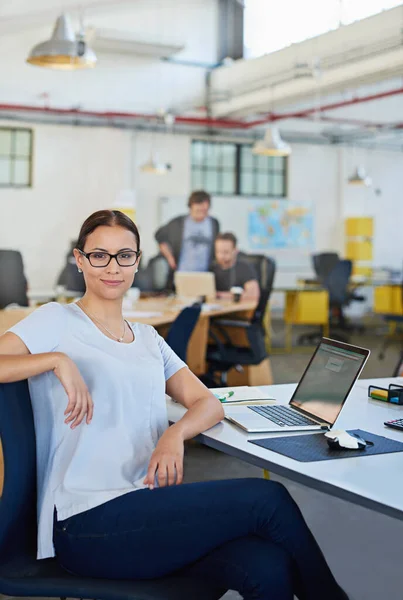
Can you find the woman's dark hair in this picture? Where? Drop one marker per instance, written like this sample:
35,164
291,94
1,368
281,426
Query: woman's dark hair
198,197
108,218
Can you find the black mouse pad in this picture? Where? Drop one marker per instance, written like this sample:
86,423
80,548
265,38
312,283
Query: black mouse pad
311,448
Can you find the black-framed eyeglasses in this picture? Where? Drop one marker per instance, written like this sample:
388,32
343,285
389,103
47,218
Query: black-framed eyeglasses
126,258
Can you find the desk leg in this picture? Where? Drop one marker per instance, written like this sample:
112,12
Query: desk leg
252,375
288,337
197,348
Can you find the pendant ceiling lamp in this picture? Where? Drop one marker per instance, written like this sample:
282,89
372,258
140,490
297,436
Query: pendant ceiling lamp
272,144
154,167
360,177
64,50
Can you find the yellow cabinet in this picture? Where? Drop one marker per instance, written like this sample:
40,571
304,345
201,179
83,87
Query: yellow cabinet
306,307
388,300
359,232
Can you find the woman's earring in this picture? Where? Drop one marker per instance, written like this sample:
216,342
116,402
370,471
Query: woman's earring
137,270
79,270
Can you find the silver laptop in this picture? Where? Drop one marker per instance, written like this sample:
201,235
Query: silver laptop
319,397
193,284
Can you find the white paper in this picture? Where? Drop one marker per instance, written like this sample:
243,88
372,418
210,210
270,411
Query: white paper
241,393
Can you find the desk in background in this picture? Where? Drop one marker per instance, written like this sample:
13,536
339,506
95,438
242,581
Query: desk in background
161,312
304,305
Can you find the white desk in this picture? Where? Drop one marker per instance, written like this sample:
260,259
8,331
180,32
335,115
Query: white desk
375,482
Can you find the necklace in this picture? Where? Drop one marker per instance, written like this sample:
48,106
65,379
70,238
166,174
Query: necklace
118,339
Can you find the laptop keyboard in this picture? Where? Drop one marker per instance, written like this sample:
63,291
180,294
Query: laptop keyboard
282,415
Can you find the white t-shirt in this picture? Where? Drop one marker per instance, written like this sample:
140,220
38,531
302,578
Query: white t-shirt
78,469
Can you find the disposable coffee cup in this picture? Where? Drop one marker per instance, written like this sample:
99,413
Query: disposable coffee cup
236,293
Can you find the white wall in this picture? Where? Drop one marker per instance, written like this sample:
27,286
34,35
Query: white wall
76,171
386,171
119,82
79,170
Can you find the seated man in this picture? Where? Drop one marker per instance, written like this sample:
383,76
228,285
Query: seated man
230,271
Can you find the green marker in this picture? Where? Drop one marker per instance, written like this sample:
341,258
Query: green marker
224,397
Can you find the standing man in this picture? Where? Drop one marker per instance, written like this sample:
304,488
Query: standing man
231,271
187,242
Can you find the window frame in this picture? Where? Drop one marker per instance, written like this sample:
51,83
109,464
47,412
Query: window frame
12,156
239,170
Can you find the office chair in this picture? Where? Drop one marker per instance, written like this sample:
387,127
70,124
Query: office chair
20,573
155,277
13,283
223,356
182,328
337,284
324,263
69,277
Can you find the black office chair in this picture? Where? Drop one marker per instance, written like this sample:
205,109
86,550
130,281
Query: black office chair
223,356
20,573
324,263
13,283
155,277
70,278
182,328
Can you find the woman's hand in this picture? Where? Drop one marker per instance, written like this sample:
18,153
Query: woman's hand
167,459
80,402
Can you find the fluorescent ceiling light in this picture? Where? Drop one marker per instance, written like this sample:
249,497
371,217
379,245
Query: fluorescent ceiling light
360,177
119,42
64,50
272,144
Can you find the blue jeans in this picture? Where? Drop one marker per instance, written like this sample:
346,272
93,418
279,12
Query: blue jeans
246,534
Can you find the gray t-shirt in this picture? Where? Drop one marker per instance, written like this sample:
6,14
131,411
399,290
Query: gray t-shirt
197,245
79,469
237,275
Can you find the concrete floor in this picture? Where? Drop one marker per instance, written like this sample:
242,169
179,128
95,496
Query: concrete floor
364,549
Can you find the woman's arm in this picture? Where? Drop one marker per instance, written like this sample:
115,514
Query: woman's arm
204,411
16,363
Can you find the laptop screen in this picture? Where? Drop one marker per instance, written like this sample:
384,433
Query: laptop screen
328,379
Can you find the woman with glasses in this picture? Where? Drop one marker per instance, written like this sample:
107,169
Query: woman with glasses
109,467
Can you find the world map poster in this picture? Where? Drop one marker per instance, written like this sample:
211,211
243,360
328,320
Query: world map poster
280,224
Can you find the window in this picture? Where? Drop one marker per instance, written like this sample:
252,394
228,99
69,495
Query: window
268,26
15,157
214,167
223,168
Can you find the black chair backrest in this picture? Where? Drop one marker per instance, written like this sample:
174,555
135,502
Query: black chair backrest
18,501
182,328
70,278
324,263
155,276
265,268
13,284
337,281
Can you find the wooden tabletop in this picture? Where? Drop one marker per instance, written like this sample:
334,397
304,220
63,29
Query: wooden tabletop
153,311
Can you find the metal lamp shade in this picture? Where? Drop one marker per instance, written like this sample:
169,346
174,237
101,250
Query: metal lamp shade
63,50
272,144
154,167
360,178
